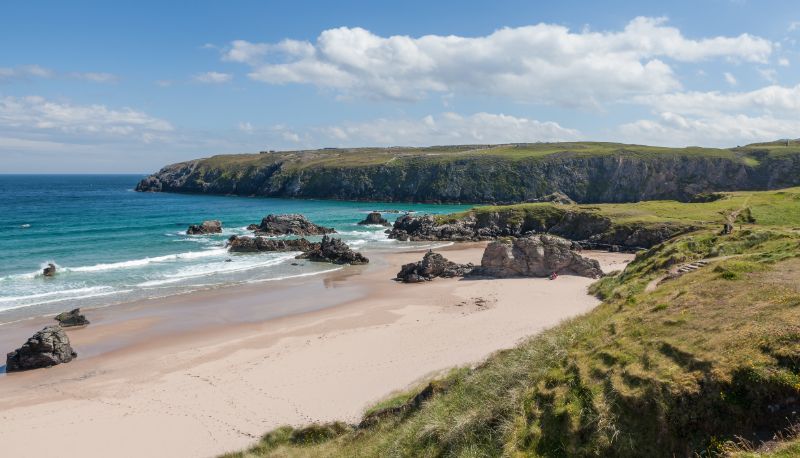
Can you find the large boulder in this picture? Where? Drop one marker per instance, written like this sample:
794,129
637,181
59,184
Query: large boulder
432,265
535,256
239,244
46,348
334,251
207,227
374,219
50,270
428,227
292,224
72,318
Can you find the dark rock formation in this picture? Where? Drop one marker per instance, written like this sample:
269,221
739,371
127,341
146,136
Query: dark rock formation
334,251
589,228
557,197
293,224
623,173
50,270
72,318
239,244
374,218
252,227
208,227
535,256
46,348
432,265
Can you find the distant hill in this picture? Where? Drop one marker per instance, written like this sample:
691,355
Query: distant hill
588,172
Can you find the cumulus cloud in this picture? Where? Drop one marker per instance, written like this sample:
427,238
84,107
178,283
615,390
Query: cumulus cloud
95,77
33,113
783,62
540,63
726,130
719,118
212,77
445,128
730,79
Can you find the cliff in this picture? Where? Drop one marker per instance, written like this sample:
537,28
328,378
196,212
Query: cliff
586,172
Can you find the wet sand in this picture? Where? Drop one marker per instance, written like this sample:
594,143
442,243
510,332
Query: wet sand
211,371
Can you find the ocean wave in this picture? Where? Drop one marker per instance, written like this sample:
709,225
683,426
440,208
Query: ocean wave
286,277
53,293
204,270
145,261
60,299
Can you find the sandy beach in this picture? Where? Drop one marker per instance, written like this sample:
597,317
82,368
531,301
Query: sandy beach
209,372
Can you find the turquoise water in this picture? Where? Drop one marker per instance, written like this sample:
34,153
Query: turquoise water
113,245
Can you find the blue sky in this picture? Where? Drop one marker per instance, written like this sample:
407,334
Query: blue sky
99,87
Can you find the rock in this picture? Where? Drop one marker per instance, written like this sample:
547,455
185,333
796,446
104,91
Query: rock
334,251
244,244
71,318
46,348
50,270
426,227
150,184
432,265
375,219
208,227
292,224
252,227
535,256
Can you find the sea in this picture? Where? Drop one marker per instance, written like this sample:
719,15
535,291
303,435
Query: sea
112,245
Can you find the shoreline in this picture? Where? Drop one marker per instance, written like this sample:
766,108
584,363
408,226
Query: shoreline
208,372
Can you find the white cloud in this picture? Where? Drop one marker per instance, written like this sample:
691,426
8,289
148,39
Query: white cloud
35,114
770,99
783,62
213,77
96,77
794,25
164,83
540,63
25,71
768,74
672,129
730,79
246,127
446,128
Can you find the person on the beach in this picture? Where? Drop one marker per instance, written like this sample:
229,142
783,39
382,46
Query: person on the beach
553,276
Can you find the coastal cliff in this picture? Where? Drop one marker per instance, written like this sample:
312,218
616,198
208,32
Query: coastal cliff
586,172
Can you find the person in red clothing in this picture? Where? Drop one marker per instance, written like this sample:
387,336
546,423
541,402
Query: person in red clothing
553,276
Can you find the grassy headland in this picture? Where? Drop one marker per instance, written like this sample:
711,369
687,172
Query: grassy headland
586,171
665,366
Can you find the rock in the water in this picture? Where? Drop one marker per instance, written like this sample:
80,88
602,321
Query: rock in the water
535,256
293,224
238,244
252,227
374,218
432,265
72,318
334,251
46,348
49,271
208,227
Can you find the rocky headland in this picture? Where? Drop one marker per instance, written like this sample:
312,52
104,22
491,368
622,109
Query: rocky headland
586,172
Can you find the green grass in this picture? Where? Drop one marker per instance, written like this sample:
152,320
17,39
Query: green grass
686,368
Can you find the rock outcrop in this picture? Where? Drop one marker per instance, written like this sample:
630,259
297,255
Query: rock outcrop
374,219
46,348
587,173
334,251
590,229
72,318
432,265
207,227
291,224
535,256
244,244
50,270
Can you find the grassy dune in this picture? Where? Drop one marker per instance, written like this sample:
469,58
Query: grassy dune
698,364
